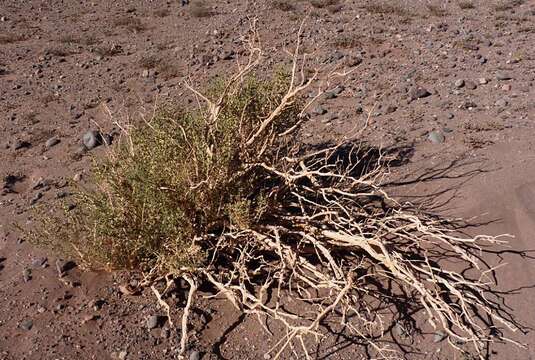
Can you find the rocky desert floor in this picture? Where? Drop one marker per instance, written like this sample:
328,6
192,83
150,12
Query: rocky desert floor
452,82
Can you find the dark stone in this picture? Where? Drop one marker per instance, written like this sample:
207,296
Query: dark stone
418,93
26,325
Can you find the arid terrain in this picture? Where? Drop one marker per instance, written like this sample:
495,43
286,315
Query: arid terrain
450,82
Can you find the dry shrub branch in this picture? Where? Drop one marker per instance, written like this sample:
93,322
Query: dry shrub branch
225,195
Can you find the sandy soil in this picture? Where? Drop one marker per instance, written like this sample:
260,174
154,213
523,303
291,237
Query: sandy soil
67,67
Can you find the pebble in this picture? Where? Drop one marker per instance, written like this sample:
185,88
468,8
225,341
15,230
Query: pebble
195,355
482,81
506,87
459,83
450,116
320,110
501,103
36,198
503,76
77,177
122,355
330,95
436,137
418,93
470,85
439,336
390,109
153,322
51,142
26,325
338,90
91,139
26,275
40,262
21,144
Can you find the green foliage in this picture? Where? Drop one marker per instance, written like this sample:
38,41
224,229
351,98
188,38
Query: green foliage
165,190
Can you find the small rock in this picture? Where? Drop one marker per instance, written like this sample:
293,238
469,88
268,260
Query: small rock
390,109
436,137
507,87
330,95
470,85
122,355
77,177
482,81
450,116
39,262
51,142
338,90
501,103
195,355
503,76
26,275
59,268
319,110
459,83
21,144
26,325
90,317
165,333
97,304
91,139
36,198
439,336
153,322
418,93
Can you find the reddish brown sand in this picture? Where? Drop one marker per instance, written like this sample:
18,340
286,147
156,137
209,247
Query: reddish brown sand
70,66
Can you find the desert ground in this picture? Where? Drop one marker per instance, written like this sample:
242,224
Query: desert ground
451,82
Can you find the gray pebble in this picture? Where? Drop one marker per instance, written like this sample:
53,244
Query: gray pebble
439,336
39,262
51,142
153,322
390,109
26,325
436,137
330,95
26,275
319,110
501,103
195,355
91,139
459,83
470,85
418,93
503,76
338,90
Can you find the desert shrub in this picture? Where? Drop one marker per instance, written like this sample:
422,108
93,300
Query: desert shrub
146,208
225,195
